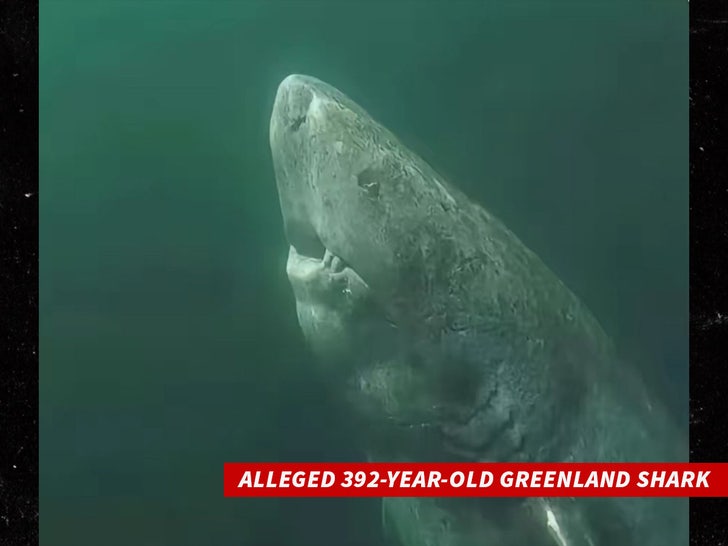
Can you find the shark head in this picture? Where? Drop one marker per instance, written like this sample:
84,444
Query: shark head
409,294
329,158
341,180
369,227
352,194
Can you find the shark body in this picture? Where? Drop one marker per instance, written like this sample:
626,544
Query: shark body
447,339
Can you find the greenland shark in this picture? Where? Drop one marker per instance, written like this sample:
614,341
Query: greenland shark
446,339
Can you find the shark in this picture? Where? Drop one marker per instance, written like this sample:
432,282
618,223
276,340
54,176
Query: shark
446,339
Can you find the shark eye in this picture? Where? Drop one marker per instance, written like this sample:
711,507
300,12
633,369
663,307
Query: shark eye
367,180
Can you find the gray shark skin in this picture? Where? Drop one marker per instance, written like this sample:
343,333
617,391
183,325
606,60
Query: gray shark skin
448,340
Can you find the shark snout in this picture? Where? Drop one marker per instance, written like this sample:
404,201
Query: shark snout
293,101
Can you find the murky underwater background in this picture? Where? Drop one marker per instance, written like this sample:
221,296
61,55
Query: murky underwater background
168,337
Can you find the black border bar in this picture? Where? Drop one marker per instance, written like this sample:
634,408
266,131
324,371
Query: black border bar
18,272
708,257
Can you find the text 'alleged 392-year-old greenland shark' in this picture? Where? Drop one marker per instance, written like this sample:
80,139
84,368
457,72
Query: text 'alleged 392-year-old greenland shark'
447,339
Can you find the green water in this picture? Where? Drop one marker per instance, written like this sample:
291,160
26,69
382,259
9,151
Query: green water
168,338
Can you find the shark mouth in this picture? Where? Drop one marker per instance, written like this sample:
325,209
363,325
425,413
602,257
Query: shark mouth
308,256
304,267
305,242
317,274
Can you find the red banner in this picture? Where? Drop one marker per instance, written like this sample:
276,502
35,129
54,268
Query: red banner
476,480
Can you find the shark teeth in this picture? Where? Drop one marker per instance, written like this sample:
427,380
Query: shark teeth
333,262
